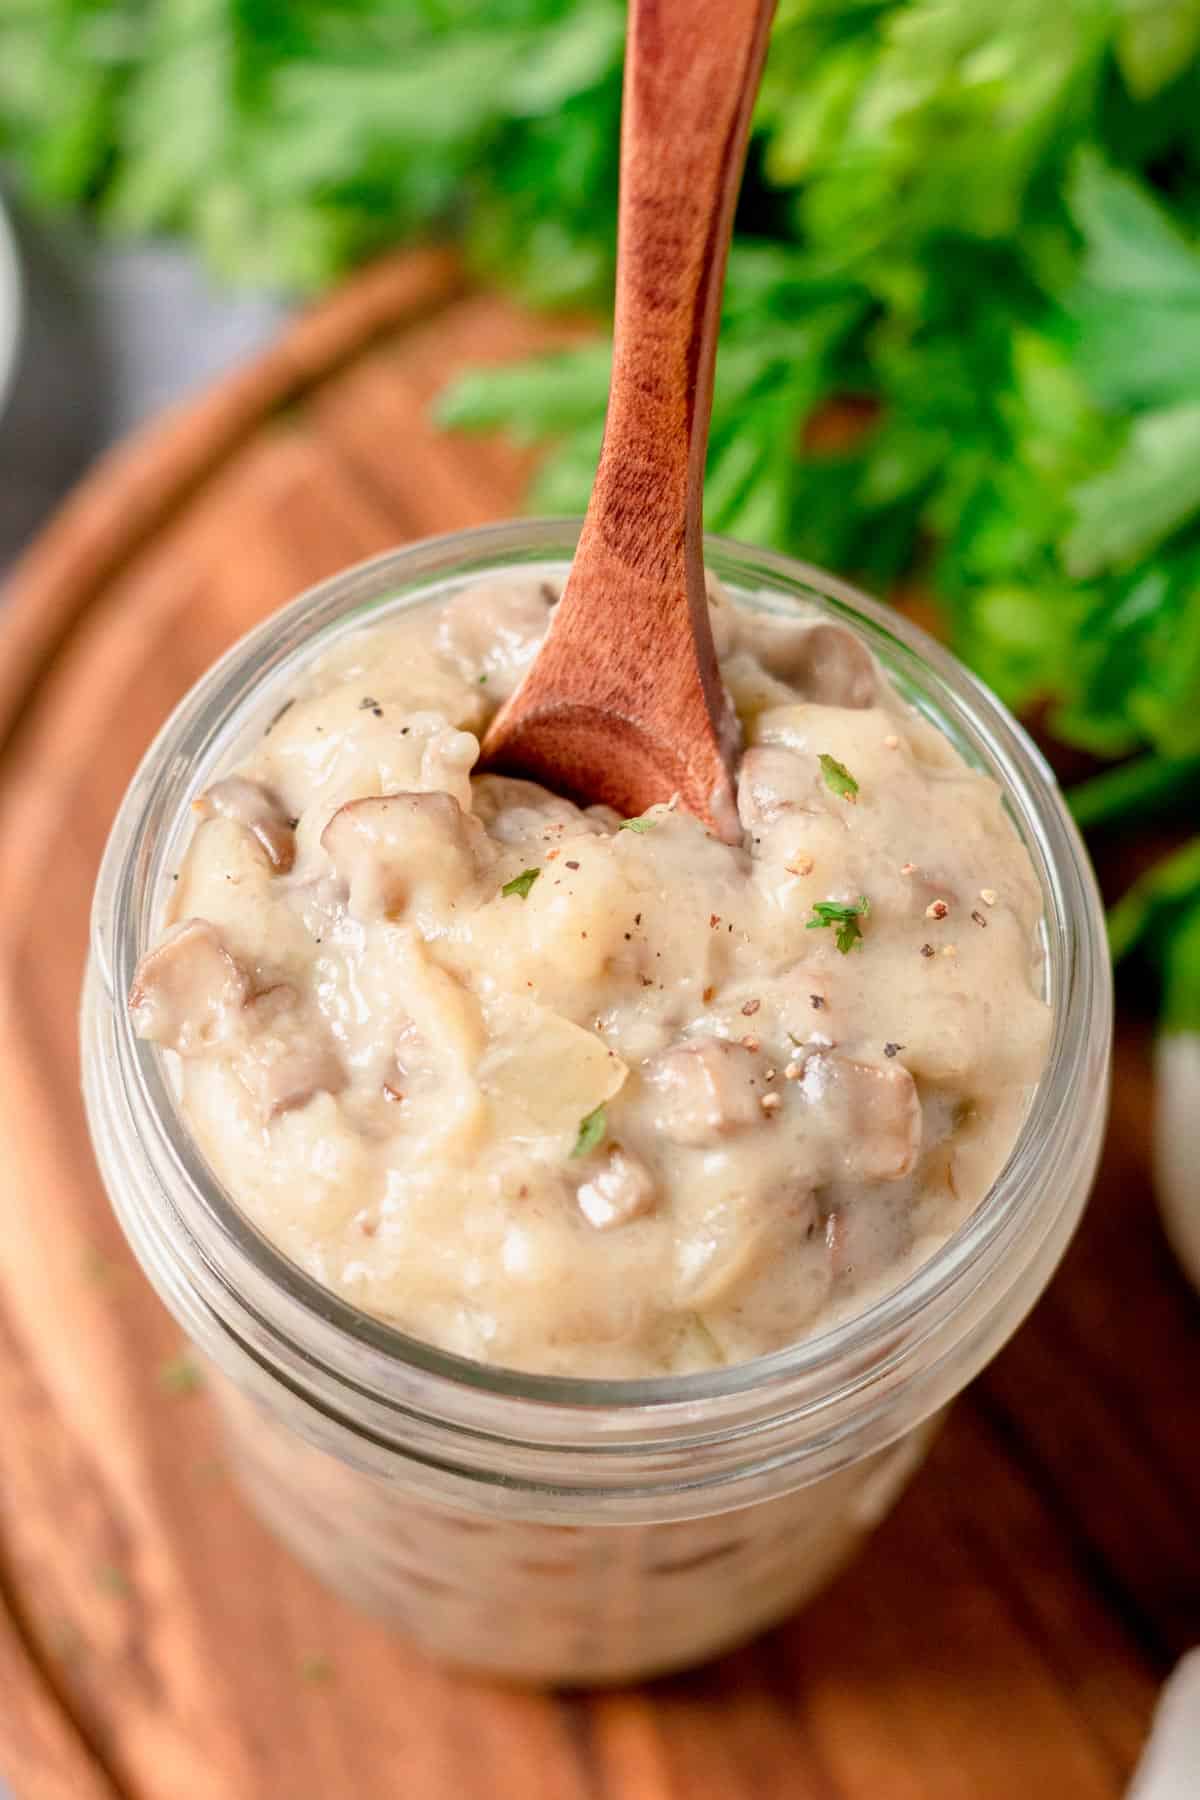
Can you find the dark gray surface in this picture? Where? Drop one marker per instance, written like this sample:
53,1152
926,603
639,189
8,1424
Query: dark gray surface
111,335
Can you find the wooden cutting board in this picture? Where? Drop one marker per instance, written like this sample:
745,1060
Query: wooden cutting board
1003,1636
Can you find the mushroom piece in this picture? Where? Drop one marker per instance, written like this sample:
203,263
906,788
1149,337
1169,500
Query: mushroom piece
188,992
771,782
397,849
286,1056
873,1114
860,1241
706,1089
282,1083
495,632
514,811
250,804
620,1191
827,663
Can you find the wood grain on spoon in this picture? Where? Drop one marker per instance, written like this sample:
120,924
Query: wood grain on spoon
624,703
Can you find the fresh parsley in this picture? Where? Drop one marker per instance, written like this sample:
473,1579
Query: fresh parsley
521,884
844,914
638,825
838,778
1159,918
1147,910
1004,273
591,1131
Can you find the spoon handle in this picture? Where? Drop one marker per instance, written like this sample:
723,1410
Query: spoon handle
692,70
691,75
624,701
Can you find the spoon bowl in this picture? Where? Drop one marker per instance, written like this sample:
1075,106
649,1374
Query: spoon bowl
624,703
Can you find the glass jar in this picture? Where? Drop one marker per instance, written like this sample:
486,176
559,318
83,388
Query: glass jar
549,1528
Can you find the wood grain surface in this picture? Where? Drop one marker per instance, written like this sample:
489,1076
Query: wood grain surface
1002,1637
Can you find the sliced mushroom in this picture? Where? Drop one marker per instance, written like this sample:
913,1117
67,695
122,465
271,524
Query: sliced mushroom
250,804
863,1239
620,1191
873,1114
771,782
494,631
827,663
397,849
188,993
706,1089
516,812
286,1056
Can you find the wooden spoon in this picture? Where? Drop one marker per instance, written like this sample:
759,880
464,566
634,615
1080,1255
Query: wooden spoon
624,703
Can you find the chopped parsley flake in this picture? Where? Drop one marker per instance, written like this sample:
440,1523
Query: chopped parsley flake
591,1131
521,884
845,914
838,778
645,823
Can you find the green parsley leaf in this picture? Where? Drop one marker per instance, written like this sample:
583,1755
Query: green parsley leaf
1133,311
638,825
845,914
1137,790
521,884
838,778
1156,43
848,935
829,912
1145,912
1160,916
1150,488
1001,271
591,1131
1181,975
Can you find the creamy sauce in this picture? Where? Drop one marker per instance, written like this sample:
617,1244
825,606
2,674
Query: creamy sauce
594,1097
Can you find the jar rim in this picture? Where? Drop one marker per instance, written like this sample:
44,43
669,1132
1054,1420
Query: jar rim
849,1356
